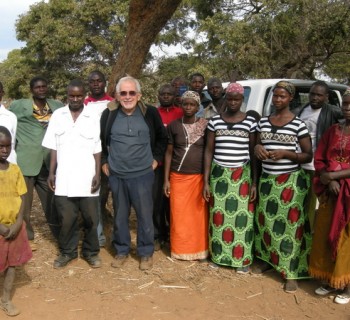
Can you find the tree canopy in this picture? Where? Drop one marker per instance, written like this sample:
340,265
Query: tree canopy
224,38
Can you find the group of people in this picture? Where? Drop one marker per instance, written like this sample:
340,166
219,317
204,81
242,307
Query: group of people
220,183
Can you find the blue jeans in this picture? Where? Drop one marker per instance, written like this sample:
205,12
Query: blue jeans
136,192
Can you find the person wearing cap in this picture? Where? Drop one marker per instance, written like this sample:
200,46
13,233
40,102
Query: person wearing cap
183,182
283,238
230,183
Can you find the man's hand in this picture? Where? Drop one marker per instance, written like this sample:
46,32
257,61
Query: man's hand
96,180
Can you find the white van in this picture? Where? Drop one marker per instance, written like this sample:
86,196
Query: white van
258,94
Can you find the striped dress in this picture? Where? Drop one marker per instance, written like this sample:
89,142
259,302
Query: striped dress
283,234
231,230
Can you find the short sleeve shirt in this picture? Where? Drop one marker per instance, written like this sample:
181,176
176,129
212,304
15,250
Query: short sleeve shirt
232,140
12,186
75,143
284,138
188,143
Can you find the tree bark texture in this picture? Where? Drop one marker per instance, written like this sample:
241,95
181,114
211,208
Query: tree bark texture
146,19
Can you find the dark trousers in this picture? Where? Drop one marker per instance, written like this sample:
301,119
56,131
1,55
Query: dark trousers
136,192
68,209
161,207
103,197
39,182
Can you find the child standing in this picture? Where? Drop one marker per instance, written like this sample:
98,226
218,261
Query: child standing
14,245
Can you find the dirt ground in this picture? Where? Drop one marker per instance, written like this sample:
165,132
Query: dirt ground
171,290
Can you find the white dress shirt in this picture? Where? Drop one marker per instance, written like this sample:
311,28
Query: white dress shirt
76,143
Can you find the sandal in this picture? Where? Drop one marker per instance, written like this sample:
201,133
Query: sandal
342,298
324,290
9,308
242,270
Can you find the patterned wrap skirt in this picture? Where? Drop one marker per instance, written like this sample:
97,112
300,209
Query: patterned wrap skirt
283,237
231,221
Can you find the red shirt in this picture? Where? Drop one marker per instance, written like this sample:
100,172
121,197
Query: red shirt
169,114
106,97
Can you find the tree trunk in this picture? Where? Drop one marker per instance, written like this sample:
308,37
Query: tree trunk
146,20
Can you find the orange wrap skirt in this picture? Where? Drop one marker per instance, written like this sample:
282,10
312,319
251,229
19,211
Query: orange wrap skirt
188,217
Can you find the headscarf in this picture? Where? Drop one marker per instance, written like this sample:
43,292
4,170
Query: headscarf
192,95
235,87
286,85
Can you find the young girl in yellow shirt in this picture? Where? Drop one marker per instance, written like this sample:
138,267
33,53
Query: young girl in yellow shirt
14,246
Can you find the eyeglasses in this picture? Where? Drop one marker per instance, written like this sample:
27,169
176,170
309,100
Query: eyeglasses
125,93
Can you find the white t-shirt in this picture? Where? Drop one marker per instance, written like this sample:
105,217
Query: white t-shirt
9,120
310,117
76,143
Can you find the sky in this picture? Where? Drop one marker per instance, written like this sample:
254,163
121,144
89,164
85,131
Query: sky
9,12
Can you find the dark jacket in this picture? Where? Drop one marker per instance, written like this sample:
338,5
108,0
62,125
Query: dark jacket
158,134
329,115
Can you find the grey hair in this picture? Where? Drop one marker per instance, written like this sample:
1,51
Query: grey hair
128,79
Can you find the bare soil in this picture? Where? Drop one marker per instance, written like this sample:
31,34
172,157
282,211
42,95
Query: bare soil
171,290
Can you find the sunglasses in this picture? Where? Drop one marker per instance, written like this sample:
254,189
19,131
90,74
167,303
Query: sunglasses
125,93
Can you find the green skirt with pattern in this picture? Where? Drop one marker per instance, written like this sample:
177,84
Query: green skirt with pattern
231,222
283,237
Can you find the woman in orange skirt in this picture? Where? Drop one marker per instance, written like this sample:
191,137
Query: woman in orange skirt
183,183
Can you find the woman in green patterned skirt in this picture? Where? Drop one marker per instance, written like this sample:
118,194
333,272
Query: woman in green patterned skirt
230,185
283,237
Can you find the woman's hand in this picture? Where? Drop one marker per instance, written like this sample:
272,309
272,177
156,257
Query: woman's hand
326,177
253,192
261,153
206,192
334,187
276,154
166,189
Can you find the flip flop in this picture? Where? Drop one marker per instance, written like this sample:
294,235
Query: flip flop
324,290
9,308
291,286
342,298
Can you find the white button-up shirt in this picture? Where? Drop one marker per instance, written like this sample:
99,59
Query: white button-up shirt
76,143
9,120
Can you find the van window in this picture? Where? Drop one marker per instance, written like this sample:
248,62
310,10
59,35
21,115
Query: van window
333,98
247,91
